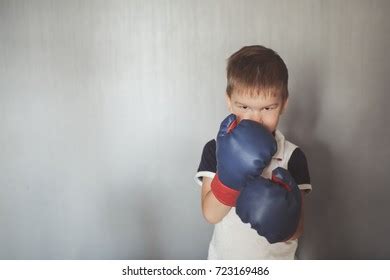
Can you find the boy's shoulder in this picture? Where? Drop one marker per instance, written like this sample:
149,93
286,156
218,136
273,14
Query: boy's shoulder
211,142
288,148
296,154
295,160
209,149
298,167
210,146
208,160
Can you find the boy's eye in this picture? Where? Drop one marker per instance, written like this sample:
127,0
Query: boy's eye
269,108
244,107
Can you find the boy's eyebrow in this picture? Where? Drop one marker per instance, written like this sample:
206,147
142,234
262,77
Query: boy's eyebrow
273,104
243,104
239,103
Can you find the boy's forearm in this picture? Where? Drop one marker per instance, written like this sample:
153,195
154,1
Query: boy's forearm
213,210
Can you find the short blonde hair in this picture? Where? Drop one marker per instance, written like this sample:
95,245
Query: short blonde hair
257,70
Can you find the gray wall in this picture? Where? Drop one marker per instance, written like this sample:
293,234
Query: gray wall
105,107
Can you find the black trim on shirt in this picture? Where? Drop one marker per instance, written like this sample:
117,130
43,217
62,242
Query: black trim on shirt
297,166
209,161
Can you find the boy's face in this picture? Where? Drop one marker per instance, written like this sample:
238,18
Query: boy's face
265,110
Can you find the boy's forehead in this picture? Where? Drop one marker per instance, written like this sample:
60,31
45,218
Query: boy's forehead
260,97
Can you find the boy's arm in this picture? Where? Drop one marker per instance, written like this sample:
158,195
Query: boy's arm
213,210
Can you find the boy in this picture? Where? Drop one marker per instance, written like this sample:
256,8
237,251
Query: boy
257,93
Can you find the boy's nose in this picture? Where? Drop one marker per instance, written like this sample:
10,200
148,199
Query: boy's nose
256,117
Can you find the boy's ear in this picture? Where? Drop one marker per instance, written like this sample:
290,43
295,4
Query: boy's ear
284,106
229,103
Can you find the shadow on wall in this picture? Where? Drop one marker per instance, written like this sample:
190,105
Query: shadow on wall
301,129
344,214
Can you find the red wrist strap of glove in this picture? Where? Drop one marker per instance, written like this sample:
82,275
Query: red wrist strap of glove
281,183
223,193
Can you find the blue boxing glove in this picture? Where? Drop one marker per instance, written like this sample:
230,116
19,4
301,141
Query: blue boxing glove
244,149
272,207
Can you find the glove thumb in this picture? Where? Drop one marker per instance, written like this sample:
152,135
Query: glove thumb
227,125
283,178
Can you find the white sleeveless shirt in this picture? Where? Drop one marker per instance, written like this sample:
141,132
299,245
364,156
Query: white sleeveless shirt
232,239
